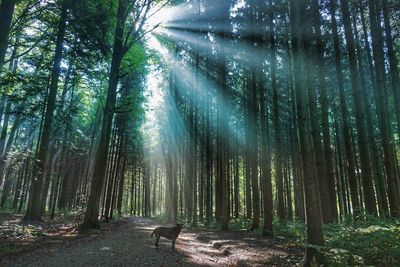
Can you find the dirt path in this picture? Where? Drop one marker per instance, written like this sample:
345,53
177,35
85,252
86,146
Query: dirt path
130,245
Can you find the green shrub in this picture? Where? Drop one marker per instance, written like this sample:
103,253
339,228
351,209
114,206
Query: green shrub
362,244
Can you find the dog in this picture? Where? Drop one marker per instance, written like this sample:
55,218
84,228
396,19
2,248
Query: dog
171,233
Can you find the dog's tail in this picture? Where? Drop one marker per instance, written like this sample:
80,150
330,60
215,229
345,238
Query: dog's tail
152,233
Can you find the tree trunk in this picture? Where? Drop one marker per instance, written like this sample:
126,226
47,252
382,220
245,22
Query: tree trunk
276,118
301,71
376,160
383,113
330,215
236,185
393,62
34,210
345,114
6,14
367,181
92,212
111,175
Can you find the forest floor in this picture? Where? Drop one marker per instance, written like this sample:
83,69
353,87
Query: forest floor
127,242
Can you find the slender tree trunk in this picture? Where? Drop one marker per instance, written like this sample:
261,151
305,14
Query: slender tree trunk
300,72
367,181
189,164
6,13
376,160
383,113
236,184
3,102
34,210
296,160
223,141
345,114
254,154
113,162
169,188
57,182
92,211
18,186
147,203
393,62
276,118
3,137
330,215
208,167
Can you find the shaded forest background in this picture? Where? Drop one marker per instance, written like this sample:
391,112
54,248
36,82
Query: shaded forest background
268,112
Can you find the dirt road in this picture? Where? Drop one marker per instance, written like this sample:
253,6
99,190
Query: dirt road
130,244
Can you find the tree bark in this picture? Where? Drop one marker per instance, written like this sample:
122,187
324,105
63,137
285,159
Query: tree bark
301,78
6,13
367,181
383,113
92,212
393,62
331,214
34,209
345,113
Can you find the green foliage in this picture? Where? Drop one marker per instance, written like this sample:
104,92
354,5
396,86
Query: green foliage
293,231
239,224
135,59
93,22
176,2
375,242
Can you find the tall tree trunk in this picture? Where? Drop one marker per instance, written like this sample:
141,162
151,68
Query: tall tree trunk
264,156
345,113
236,184
169,188
19,185
6,13
146,190
252,189
189,169
223,137
276,118
378,174
393,62
92,212
5,148
3,137
367,181
296,160
34,210
111,175
383,113
330,215
301,70
209,160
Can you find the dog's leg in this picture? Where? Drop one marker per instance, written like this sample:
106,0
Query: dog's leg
173,244
157,239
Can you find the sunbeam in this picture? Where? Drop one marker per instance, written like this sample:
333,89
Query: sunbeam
202,91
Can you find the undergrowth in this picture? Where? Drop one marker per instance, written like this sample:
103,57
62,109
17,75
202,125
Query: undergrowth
368,242
371,242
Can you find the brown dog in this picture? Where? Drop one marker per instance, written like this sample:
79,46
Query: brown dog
171,233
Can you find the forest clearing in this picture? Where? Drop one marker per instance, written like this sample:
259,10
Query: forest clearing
269,129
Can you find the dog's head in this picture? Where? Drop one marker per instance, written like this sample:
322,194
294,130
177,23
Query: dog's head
180,226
